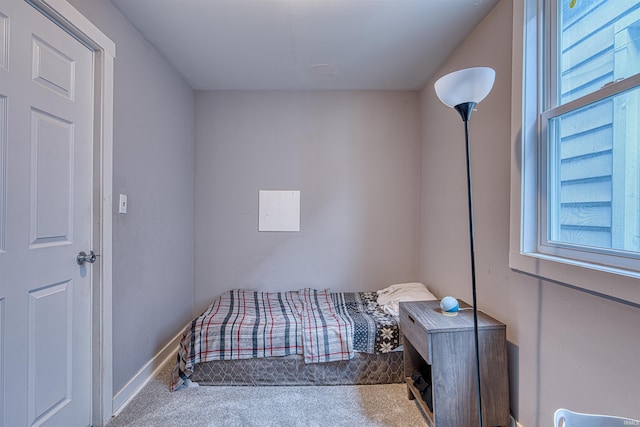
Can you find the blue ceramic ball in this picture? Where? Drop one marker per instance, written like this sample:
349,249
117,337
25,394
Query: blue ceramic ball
449,306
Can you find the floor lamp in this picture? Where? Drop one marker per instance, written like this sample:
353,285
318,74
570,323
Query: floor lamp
462,90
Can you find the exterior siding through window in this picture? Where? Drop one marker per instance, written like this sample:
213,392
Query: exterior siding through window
597,151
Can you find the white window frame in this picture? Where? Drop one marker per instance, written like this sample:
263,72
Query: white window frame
525,255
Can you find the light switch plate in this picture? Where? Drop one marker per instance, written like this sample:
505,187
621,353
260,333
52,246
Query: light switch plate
122,204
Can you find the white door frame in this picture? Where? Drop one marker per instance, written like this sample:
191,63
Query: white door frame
68,18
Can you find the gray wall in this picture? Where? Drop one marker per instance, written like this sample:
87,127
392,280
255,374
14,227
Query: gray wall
153,164
568,348
355,157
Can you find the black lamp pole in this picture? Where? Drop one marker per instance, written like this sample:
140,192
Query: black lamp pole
465,110
462,90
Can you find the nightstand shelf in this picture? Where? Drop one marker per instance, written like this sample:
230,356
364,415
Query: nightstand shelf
443,346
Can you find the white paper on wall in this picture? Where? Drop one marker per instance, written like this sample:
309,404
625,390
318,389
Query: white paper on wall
279,210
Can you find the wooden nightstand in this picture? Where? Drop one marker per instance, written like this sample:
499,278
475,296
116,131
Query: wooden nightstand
443,347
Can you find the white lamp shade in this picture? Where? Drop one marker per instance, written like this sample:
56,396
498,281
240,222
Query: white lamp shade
468,85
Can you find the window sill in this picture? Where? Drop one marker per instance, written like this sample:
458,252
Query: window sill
611,283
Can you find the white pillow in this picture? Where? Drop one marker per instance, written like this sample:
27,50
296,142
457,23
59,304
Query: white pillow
390,296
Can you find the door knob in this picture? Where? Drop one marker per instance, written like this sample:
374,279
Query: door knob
83,257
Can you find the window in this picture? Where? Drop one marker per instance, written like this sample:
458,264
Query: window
580,133
589,132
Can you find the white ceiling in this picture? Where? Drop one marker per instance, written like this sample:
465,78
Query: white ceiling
305,44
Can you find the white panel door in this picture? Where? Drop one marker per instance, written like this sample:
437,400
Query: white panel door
46,143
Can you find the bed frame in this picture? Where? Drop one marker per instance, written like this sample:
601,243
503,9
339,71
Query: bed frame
364,368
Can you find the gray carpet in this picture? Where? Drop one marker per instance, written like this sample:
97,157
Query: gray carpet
367,405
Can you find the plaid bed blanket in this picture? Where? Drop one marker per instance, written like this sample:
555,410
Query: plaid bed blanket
320,325
326,334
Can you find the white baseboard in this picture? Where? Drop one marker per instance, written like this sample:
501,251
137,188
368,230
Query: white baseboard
150,369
